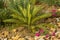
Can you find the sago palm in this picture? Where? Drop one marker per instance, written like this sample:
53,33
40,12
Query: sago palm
26,15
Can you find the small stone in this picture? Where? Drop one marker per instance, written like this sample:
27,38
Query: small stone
56,39
9,39
57,19
52,29
21,39
1,38
14,30
4,34
5,38
58,9
30,38
40,39
58,24
36,38
59,35
15,37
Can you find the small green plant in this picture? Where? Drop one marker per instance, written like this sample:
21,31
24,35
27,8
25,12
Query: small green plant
26,15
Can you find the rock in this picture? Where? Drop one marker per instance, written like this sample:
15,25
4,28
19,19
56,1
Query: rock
36,38
9,39
0,34
29,38
58,35
54,38
57,19
5,33
40,39
1,38
15,37
14,30
21,39
58,9
5,39
58,24
52,29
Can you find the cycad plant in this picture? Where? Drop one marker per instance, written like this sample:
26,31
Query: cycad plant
26,14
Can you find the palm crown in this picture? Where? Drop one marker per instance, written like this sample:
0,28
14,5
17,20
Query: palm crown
26,14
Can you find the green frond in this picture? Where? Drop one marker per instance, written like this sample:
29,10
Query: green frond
32,1
23,10
46,15
18,17
11,20
29,14
14,21
13,10
36,9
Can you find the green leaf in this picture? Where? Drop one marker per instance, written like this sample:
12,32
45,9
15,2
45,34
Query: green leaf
11,20
29,14
18,17
36,9
23,10
46,15
32,1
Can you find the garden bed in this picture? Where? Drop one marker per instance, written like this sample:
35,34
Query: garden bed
29,20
